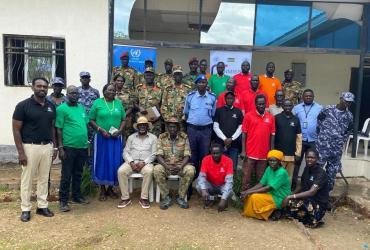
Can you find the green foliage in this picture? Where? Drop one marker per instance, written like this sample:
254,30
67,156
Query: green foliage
237,188
88,188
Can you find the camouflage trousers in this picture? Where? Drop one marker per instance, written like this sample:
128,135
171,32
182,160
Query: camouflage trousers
160,174
332,167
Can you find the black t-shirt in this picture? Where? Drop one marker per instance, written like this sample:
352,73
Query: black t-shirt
37,120
316,176
286,133
229,119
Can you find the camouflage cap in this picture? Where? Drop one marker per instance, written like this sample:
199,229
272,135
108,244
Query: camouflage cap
148,60
149,69
288,70
58,80
177,69
84,74
168,61
173,120
348,96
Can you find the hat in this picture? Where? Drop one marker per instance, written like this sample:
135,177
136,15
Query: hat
58,80
168,61
199,78
148,60
288,70
177,69
124,54
193,59
173,120
348,96
276,154
229,93
142,120
149,69
84,73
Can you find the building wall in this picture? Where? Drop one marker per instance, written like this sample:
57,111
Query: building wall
84,26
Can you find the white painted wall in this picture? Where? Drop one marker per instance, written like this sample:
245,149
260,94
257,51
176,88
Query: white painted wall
84,26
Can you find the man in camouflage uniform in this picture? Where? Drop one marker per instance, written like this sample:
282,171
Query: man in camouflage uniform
86,94
190,77
173,99
292,89
141,79
128,98
173,155
128,72
150,95
166,79
334,124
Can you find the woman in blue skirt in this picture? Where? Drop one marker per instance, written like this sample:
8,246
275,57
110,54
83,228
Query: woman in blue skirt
107,116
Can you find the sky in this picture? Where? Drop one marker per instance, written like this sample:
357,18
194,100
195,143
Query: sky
122,13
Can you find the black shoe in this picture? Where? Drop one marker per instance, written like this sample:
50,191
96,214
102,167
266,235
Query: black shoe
166,203
80,200
63,206
25,216
44,212
182,203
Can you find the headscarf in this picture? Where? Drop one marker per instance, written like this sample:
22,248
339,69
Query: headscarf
276,154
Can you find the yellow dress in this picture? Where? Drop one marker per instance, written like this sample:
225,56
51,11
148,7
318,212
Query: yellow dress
259,206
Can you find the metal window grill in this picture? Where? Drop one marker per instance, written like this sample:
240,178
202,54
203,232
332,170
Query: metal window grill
27,57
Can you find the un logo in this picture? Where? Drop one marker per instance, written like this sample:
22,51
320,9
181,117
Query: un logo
135,52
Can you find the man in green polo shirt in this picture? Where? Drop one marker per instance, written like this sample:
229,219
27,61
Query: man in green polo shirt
71,123
217,82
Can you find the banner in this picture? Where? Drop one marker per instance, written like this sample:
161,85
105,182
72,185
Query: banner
232,60
137,55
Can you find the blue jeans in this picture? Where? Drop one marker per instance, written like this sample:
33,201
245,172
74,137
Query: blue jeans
233,153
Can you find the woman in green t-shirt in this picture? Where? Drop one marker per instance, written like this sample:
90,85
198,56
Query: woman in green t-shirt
267,196
107,117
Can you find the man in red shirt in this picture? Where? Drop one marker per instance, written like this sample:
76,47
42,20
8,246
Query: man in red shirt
216,177
243,78
259,129
249,96
238,102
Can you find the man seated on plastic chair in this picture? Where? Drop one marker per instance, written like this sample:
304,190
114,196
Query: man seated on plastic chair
139,154
173,154
216,178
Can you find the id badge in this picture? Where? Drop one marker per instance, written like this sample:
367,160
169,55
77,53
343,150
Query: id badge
305,124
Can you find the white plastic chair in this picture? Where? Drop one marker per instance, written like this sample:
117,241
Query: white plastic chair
130,185
365,138
158,190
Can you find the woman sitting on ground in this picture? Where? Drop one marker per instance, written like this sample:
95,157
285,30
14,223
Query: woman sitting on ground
267,196
309,201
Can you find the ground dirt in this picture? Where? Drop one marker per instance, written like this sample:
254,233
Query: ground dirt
100,225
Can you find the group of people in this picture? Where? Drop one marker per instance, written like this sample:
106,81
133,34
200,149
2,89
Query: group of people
193,125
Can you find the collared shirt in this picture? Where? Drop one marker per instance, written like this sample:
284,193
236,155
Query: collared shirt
140,148
259,129
274,109
87,97
249,101
242,82
228,124
214,172
173,101
238,102
270,85
316,175
217,83
200,109
307,115
37,120
173,151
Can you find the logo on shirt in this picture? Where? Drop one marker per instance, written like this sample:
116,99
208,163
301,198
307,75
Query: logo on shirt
116,110
273,85
292,124
50,109
222,170
234,116
267,120
311,178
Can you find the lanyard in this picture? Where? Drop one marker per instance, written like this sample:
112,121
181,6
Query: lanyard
307,112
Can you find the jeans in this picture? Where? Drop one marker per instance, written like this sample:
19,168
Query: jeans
72,168
233,153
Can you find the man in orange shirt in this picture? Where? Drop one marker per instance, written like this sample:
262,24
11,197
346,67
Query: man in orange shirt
269,83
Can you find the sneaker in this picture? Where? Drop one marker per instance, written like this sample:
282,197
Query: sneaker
80,200
166,203
63,207
144,203
124,203
182,203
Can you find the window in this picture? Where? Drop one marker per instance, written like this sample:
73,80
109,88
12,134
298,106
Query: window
27,57
282,23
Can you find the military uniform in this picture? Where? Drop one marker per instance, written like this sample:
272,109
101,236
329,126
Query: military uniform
130,74
141,80
128,98
189,79
173,101
150,96
333,127
293,91
173,152
165,80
